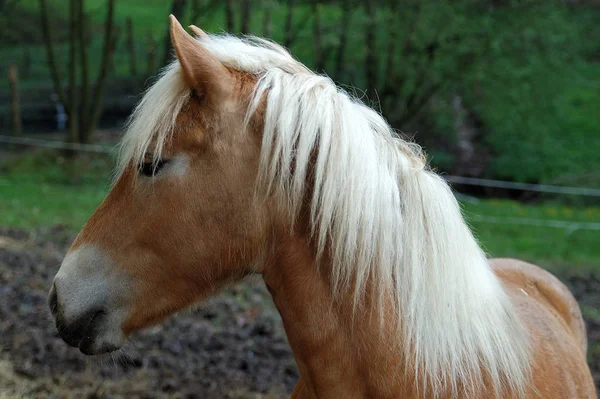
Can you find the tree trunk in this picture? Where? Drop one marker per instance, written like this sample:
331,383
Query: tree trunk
289,19
56,81
341,48
72,108
394,79
229,15
84,115
319,58
204,9
370,59
245,23
194,11
84,110
177,9
26,65
130,46
13,80
110,41
267,26
291,31
150,54
392,38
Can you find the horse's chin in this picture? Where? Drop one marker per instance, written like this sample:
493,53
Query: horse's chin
98,349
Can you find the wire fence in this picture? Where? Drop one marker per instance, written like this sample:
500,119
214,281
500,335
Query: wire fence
55,144
522,221
540,188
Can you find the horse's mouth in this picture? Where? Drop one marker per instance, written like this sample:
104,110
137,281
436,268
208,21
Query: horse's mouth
88,342
87,332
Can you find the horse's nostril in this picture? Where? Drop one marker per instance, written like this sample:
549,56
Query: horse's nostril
53,301
81,331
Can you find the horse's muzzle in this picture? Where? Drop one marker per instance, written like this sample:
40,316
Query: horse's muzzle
82,331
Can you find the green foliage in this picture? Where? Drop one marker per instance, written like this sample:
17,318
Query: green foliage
536,93
527,70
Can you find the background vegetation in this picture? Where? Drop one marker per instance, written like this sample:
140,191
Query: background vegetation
41,189
506,89
501,89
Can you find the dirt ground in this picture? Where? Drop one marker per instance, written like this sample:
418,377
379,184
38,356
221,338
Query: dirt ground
230,347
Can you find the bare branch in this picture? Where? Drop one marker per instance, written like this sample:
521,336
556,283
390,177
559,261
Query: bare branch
56,81
419,96
415,107
200,7
229,14
130,46
393,77
291,30
245,23
341,48
13,80
267,26
177,9
289,18
319,59
370,59
150,53
110,40
84,115
422,90
195,10
392,38
8,6
72,104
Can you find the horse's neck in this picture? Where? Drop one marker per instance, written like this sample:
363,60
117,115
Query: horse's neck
340,353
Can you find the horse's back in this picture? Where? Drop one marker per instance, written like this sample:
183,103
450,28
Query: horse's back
556,327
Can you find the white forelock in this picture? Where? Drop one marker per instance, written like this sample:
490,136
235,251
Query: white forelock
392,225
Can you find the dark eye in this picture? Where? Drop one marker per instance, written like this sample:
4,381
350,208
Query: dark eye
152,168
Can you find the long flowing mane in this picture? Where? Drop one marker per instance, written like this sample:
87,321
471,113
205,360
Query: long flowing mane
388,221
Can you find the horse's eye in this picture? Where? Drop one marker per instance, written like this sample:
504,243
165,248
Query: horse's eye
152,168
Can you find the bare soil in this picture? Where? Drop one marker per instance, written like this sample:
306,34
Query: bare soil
232,346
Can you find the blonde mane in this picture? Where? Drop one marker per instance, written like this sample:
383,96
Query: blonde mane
389,221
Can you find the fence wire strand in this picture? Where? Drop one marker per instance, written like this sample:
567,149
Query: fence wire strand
543,188
560,224
59,145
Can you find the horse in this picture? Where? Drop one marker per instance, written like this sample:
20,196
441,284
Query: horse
240,160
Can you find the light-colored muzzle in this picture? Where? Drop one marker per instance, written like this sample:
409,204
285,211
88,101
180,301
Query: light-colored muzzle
86,301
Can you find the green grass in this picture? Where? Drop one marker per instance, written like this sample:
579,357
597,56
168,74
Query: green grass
41,189
551,247
38,190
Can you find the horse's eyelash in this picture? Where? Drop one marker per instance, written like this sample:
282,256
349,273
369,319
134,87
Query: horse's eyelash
152,168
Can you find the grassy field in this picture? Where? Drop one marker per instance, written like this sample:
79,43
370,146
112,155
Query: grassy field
39,190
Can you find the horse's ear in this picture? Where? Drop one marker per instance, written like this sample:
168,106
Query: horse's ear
201,70
200,34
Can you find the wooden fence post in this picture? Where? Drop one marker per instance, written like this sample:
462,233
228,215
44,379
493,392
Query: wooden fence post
13,79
